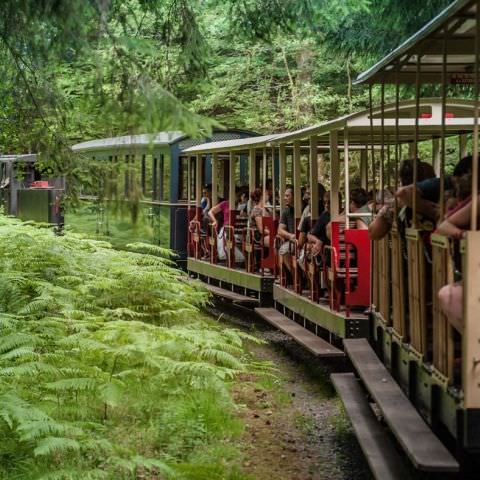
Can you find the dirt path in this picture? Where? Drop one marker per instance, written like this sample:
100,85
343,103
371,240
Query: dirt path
295,426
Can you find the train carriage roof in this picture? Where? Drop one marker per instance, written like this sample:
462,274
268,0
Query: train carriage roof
460,119
23,157
148,140
231,145
457,22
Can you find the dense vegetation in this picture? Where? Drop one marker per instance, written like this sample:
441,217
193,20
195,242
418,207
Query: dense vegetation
107,368
73,70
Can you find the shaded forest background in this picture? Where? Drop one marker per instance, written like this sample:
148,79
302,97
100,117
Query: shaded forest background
73,70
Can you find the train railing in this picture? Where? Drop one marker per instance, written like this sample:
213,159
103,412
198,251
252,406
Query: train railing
268,258
312,273
443,342
296,270
251,249
411,270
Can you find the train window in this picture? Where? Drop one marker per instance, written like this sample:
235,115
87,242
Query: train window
164,181
183,178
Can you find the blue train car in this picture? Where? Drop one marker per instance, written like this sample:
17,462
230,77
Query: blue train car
152,179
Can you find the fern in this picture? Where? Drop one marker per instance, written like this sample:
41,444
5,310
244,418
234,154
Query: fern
50,445
100,352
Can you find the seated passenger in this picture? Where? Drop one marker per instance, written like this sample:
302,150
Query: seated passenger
224,208
286,230
305,223
243,204
358,204
428,190
205,202
317,237
256,217
383,221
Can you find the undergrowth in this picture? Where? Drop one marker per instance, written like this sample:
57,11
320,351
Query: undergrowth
107,368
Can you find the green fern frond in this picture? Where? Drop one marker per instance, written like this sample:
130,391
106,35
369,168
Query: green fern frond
15,340
28,369
34,430
18,353
72,384
51,445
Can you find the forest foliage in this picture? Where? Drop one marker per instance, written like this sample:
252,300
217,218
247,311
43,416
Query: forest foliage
73,70
107,367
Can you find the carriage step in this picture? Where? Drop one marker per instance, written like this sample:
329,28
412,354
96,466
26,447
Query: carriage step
385,462
231,296
316,345
421,445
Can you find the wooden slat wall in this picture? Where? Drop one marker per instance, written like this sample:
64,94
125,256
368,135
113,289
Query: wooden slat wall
384,278
399,286
416,294
443,346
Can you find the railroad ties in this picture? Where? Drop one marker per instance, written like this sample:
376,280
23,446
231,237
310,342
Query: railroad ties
313,343
422,446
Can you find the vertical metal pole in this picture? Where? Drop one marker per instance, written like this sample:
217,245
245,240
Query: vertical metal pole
297,200
473,219
273,181
389,163
214,159
398,148
313,179
252,182
189,181
443,153
462,146
142,173
415,140
198,180
382,147
364,168
154,178
161,178
264,172
231,181
334,175
346,159
372,140
127,176
436,156
283,175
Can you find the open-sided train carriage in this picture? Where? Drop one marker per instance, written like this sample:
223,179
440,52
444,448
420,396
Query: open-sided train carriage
424,376
296,158
151,172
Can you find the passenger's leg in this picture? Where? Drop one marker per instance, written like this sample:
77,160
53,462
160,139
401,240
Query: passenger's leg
451,302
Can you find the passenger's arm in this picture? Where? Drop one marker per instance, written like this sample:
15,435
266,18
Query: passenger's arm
378,228
259,223
212,212
425,207
284,233
455,225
